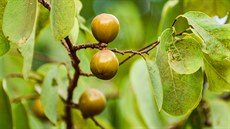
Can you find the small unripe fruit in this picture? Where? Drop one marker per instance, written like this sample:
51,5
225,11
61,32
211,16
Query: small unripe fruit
92,102
105,27
104,64
38,109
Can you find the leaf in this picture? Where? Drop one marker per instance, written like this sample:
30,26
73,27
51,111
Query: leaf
210,7
21,117
62,17
181,92
185,55
156,82
218,74
216,37
19,19
6,120
27,51
144,95
220,114
49,95
4,43
74,32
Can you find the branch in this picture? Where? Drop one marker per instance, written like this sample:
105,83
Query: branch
90,45
142,50
45,4
96,123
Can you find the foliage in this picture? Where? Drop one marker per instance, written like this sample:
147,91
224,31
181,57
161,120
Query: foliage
183,80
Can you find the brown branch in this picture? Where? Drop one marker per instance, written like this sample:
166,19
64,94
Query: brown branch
45,4
96,123
90,45
142,50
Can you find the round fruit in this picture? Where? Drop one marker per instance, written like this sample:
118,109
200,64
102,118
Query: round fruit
91,103
105,27
37,108
104,64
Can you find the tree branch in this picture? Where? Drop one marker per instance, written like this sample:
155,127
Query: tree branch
96,123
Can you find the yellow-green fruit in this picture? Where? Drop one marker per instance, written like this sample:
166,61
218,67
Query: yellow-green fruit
105,27
104,64
38,109
92,102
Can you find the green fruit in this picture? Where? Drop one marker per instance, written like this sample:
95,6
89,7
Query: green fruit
105,27
92,102
104,64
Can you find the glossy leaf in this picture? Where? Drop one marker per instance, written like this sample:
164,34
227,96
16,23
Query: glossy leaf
6,120
216,37
144,94
62,17
185,55
27,51
49,95
181,93
19,19
4,43
20,117
156,82
218,74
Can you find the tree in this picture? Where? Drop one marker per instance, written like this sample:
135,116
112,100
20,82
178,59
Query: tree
169,66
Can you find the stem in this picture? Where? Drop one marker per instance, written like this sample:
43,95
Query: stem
96,123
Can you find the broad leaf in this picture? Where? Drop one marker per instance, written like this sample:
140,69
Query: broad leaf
49,95
210,7
62,17
144,95
4,43
218,74
74,32
19,19
181,93
216,37
6,120
156,82
27,51
185,55
20,117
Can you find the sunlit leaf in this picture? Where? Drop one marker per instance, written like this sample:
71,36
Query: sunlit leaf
6,120
62,17
144,94
181,93
49,95
218,74
20,116
4,43
19,19
185,55
216,37
156,82
74,32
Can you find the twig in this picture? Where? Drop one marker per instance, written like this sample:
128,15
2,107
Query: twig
45,4
174,22
89,45
86,74
152,45
206,112
96,123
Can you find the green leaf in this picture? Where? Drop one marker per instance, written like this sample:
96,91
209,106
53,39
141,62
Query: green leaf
74,32
20,117
49,95
4,43
19,19
210,7
144,95
6,120
27,51
218,74
220,114
185,55
156,82
62,17
181,92
216,37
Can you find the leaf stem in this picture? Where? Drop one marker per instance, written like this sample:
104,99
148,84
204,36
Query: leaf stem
97,123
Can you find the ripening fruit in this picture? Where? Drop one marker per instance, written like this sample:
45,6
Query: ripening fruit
37,108
105,27
104,64
92,102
